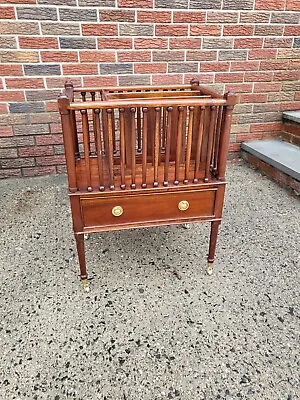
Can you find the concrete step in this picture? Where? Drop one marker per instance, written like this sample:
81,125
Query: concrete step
292,116
277,159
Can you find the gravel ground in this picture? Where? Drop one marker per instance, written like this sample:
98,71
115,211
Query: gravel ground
141,333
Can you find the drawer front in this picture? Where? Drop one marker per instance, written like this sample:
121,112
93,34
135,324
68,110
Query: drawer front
147,208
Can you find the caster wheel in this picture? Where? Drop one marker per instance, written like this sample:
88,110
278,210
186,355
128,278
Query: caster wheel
86,236
186,226
209,269
85,285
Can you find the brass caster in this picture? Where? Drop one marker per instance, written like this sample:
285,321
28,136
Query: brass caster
186,226
209,268
86,236
85,285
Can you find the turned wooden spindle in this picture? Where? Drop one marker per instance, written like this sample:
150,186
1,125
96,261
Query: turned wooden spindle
69,90
83,96
144,147
139,129
98,146
168,145
199,144
122,148
156,144
217,139
86,147
133,148
164,130
211,132
189,145
110,150
178,144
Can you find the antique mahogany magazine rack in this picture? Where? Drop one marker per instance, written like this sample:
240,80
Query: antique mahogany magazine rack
145,156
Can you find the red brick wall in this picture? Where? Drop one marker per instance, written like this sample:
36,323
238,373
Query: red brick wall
249,46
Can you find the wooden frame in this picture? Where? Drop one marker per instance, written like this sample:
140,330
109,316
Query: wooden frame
145,156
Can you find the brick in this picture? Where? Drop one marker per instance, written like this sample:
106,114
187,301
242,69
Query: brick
97,3
17,163
188,16
54,2
6,131
268,30
231,55
136,3
290,86
214,66
259,117
229,77
17,141
168,55
11,95
59,149
54,83
150,68
266,107
110,69
42,95
8,153
14,119
205,4
38,13
277,42
244,66
33,42
27,107
50,160
200,55
171,4
239,87
287,75
113,43
42,69
217,43
45,117
64,29
292,5
223,17
294,64
185,43
34,129
35,151
259,76
8,173
238,5
38,171
136,29
3,108
167,79
80,69
19,28
284,18
238,30
289,53
245,137
273,65
248,43
171,30
205,30
296,43
59,56
18,56
83,14
100,81
260,54
253,98
48,139
97,56
77,43
183,67
254,17
99,29
117,15
18,1
265,127
132,56
292,30
293,105
8,42
7,13
24,83
270,5
153,43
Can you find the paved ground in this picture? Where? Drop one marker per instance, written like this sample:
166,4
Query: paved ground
141,333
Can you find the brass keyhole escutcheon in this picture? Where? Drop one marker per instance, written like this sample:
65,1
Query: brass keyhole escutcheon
117,211
183,205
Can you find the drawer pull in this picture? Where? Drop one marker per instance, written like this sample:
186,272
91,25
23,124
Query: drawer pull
117,211
183,205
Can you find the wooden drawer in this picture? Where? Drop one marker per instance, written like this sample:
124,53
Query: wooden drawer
139,209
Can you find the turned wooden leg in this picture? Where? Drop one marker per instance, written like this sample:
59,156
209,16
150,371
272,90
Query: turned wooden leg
212,245
81,257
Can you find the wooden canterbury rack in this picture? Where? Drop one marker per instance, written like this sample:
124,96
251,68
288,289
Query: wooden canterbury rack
145,156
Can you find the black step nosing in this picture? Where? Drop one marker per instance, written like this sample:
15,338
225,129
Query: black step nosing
293,116
262,149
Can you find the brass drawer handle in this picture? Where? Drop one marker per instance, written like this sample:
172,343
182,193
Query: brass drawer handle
183,205
117,211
